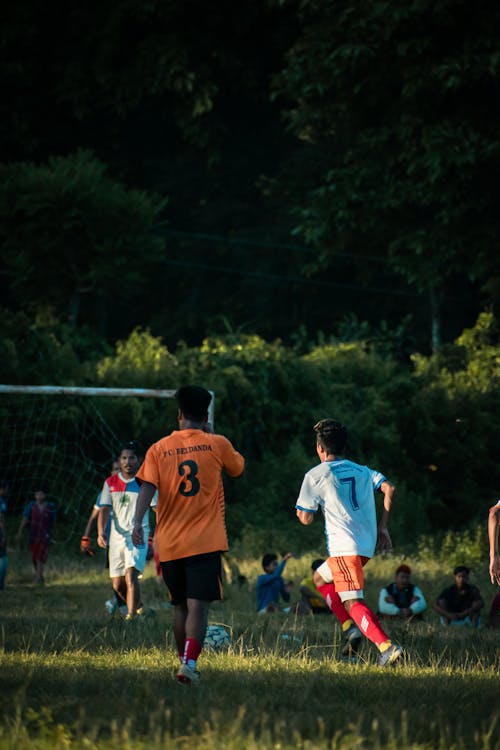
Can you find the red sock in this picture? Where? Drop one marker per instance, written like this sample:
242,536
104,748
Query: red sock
368,623
192,650
334,602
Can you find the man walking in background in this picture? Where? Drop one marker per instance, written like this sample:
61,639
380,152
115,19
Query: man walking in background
344,491
186,468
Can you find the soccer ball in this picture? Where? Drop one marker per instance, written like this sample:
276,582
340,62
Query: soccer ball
216,637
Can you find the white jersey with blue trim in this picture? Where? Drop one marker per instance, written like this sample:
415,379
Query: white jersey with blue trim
121,495
344,491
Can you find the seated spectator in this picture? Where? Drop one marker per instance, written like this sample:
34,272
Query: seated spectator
401,599
310,598
461,603
270,585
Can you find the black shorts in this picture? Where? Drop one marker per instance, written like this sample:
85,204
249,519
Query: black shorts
195,577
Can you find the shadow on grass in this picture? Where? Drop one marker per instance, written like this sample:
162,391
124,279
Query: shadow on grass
279,696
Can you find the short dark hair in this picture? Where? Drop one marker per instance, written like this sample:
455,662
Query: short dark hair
461,569
130,445
268,558
316,563
193,402
331,435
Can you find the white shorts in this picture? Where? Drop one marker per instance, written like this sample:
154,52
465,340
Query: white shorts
123,555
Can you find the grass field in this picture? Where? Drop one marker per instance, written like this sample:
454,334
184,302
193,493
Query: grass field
74,677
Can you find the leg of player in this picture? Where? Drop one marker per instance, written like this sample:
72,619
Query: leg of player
324,583
120,588
133,591
368,623
180,615
195,627
348,577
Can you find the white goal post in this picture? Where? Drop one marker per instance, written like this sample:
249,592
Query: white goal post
63,390
56,437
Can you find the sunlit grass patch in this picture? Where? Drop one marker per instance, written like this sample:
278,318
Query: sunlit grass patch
75,677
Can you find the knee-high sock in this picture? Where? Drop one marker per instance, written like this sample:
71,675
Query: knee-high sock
368,623
192,650
334,602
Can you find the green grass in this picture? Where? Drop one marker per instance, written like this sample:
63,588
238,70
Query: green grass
73,677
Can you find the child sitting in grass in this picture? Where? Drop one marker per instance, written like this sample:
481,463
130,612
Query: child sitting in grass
270,585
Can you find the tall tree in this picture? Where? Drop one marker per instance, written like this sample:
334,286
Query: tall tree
70,233
399,106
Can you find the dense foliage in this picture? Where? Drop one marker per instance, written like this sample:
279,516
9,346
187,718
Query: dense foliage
318,159
433,428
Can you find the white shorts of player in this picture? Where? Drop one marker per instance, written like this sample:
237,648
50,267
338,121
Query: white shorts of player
326,574
123,555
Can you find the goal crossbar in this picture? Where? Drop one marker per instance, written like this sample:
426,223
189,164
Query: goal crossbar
63,390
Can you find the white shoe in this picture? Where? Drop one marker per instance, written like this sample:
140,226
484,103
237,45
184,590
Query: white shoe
110,605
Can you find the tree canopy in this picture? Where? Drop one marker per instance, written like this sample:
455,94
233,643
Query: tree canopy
298,164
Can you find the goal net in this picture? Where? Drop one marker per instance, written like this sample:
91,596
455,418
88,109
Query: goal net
65,439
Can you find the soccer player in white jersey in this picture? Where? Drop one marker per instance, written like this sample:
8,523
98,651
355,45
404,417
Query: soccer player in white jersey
344,491
493,522
126,562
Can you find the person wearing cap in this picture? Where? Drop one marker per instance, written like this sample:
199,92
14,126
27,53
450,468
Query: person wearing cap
186,468
401,598
461,603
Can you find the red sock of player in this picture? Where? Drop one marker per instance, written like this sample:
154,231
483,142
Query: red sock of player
368,623
192,650
334,602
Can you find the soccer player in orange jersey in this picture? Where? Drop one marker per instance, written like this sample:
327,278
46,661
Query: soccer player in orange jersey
186,468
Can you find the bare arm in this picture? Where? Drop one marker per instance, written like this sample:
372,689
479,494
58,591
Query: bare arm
92,519
146,493
493,521
102,522
384,539
439,606
305,517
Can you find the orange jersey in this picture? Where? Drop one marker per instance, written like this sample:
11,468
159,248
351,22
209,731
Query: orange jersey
186,468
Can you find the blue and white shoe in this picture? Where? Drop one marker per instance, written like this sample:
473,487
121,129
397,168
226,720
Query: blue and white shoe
390,656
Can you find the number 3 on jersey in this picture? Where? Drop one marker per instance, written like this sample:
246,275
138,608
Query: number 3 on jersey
352,491
191,484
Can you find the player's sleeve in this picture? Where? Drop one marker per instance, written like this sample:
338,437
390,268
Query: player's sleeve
105,497
97,503
386,608
232,461
377,479
420,605
308,499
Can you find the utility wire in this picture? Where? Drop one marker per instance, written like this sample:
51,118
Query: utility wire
288,279
242,241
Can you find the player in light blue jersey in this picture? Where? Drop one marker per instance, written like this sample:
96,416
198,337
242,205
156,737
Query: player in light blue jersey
344,491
